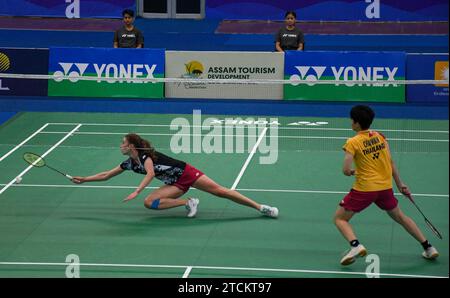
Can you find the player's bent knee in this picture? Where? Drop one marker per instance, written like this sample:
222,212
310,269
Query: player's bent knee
338,218
152,204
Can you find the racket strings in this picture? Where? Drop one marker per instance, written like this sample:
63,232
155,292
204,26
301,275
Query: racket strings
34,159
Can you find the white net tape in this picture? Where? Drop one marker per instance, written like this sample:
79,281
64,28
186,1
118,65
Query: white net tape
222,81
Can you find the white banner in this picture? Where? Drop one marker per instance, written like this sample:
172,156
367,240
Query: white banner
224,65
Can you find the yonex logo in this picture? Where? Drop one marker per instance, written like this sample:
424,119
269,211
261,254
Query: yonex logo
74,76
308,73
74,71
128,35
346,73
289,35
308,123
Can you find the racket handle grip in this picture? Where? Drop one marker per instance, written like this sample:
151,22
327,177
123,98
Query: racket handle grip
68,176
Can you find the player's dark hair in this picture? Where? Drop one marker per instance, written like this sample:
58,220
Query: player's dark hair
363,115
293,13
142,146
128,12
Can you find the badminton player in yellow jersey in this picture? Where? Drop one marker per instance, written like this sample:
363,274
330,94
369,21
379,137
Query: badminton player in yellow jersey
374,170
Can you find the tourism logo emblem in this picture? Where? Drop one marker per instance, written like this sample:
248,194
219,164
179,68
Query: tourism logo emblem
441,72
194,69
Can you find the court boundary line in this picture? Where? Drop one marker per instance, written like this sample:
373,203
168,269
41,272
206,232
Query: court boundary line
218,268
230,126
238,189
235,184
187,272
232,135
43,155
24,141
331,192
249,158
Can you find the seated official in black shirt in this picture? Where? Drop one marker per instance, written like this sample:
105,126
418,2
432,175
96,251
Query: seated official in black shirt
128,36
289,37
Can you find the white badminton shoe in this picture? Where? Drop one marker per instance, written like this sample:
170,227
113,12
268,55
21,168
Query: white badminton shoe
352,254
192,206
430,253
269,211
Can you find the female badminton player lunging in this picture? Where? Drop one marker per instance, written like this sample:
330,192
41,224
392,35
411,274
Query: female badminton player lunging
177,175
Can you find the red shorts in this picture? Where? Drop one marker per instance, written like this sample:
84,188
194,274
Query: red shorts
357,201
189,176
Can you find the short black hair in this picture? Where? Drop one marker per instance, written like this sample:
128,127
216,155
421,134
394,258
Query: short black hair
363,115
128,12
290,12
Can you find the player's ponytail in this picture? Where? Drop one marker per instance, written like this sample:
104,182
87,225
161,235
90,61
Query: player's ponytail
148,149
142,145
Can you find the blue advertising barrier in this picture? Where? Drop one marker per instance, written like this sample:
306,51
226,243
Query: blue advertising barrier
23,61
427,67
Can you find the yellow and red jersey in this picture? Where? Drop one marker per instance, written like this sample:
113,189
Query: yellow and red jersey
372,161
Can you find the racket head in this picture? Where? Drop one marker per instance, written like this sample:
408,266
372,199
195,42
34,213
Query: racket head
34,159
433,228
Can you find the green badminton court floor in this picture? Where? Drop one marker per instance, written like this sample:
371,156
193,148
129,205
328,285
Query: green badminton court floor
46,218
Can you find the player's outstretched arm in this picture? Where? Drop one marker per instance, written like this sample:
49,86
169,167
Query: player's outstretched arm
98,177
145,182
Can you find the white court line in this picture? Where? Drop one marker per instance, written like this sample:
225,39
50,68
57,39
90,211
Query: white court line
239,189
23,142
215,268
79,186
232,135
43,155
249,158
332,192
230,126
187,272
